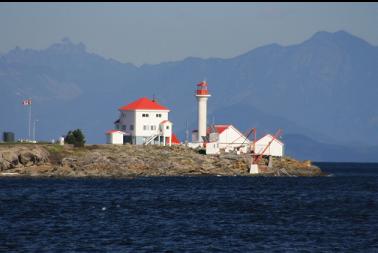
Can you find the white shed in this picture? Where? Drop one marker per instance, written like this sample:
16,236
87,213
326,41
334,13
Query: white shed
114,137
230,138
212,148
276,148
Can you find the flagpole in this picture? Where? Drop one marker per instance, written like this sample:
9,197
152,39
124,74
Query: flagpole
29,118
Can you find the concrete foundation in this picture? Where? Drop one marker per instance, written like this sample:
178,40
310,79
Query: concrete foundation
253,169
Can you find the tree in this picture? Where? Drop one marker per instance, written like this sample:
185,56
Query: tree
76,138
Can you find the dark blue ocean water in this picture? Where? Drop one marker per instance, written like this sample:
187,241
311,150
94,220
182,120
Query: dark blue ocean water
193,214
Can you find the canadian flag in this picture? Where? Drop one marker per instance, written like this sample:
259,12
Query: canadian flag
27,102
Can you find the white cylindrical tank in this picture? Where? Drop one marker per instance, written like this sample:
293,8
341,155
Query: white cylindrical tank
61,140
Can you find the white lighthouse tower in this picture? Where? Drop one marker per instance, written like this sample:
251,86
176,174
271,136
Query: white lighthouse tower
202,94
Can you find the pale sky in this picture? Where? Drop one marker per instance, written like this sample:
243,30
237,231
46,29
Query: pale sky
151,33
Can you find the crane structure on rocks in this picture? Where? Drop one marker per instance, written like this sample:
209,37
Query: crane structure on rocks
256,158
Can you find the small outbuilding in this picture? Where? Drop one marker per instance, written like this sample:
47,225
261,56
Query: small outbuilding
212,148
114,137
276,148
228,137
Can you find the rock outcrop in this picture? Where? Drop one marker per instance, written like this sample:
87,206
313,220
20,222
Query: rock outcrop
19,156
132,161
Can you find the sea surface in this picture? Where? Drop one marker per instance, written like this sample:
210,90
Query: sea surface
338,213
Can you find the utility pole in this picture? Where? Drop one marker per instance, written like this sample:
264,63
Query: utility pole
186,133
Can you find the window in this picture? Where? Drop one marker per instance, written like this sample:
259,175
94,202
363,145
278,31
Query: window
124,127
153,127
167,127
158,115
145,115
145,127
131,127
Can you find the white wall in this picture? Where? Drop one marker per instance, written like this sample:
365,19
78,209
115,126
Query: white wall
230,135
127,118
276,148
195,145
212,148
166,132
114,138
149,121
136,119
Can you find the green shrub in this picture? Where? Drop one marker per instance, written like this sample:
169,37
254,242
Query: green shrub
76,138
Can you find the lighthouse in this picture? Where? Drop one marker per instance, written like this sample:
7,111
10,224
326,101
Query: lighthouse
202,94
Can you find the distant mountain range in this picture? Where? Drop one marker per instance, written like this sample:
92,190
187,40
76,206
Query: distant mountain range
322,93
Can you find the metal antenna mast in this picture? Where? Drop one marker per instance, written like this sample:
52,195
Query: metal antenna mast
186,132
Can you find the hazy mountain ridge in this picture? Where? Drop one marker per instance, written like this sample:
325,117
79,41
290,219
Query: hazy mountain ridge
324,88
326,151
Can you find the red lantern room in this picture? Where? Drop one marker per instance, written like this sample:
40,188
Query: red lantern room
202,88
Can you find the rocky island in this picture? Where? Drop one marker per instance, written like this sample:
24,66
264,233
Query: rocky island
119,161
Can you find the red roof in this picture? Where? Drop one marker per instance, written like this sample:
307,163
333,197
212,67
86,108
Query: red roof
164,121
143,104
175,140
218,128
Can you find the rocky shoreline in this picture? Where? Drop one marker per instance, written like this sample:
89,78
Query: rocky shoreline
124,161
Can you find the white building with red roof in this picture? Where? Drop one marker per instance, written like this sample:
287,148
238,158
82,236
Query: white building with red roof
228,137
276,147
145,121
114,137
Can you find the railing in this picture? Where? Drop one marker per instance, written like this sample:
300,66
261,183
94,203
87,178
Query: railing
150,139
